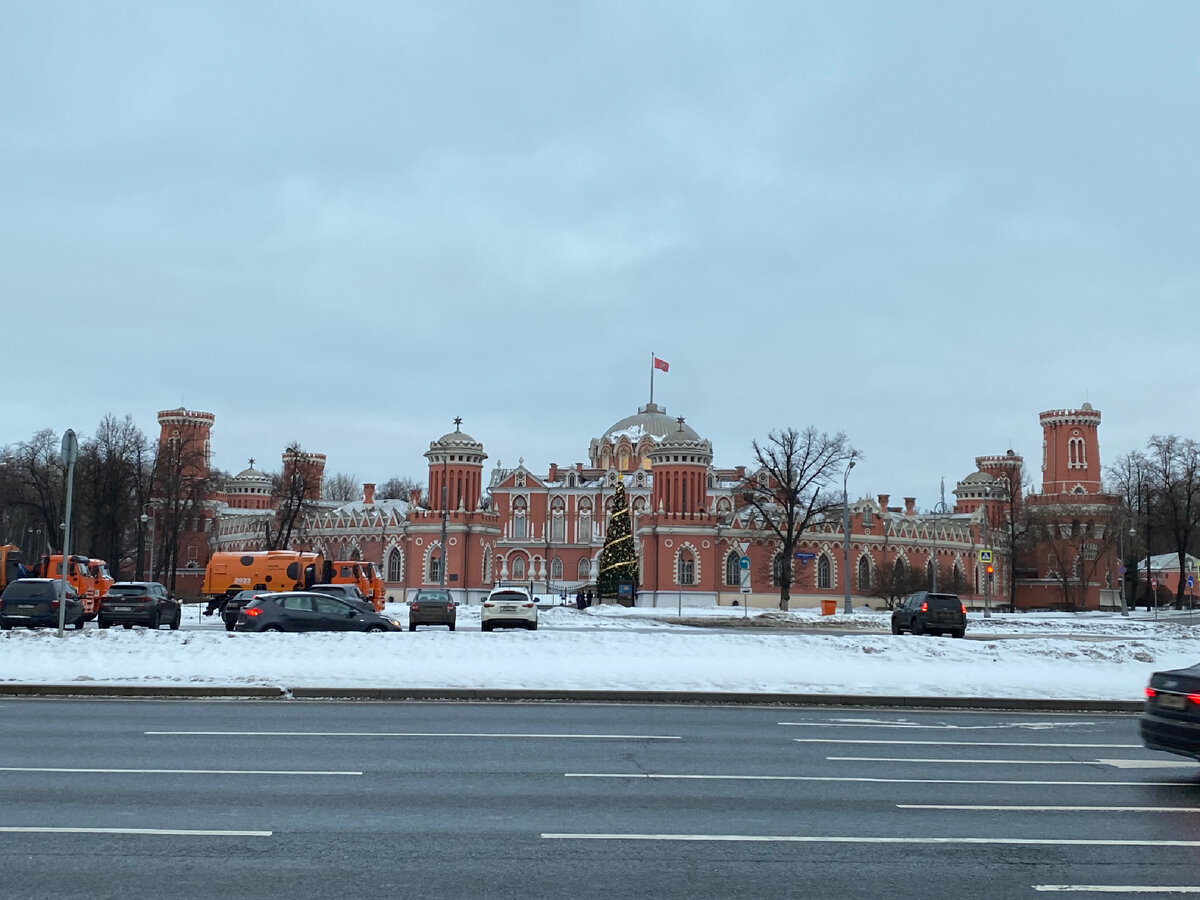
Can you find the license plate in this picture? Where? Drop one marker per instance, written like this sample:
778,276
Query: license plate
26,606
1172,701
508,609
122,609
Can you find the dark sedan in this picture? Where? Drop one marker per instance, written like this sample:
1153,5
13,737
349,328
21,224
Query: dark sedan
35,603
1171,716
304,611
146,603
432,608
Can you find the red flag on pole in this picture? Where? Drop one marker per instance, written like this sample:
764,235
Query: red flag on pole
660,364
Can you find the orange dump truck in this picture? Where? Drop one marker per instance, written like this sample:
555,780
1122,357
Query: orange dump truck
79,575
363,575
262,570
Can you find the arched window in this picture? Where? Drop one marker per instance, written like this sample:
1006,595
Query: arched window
435,566
519,519
900,571
929,574
518,568
687,567
585,521
777,569
556,568
395,566
864,573
584,569
558,521
824,577
733,570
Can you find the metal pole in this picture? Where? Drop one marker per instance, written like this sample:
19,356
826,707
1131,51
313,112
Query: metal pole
987,527
70,449
442,567
847,607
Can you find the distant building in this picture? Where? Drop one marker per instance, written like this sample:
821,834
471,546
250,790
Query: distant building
1050,549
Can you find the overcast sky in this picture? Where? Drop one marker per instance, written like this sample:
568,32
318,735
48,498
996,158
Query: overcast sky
345,224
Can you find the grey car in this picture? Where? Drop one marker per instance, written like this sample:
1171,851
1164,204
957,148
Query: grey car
147,603
35,603
432,608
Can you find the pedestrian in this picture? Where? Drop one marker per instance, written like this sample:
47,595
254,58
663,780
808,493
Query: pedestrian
589,598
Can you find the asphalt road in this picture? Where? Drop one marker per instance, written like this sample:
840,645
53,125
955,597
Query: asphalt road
302,799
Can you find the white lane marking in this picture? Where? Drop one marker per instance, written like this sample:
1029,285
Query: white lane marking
186,832
962,743
419,734
845,839
1153,809
1034,726
1117,888
846,778
1115,763
169,771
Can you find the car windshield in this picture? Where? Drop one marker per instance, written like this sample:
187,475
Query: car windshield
433,597
129,590
28,590
509,597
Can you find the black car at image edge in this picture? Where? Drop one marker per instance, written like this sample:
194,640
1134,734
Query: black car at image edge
1171,716
35,603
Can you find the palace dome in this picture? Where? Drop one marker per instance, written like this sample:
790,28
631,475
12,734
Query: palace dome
651,420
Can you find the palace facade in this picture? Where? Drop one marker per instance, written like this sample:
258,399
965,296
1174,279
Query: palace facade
1052,548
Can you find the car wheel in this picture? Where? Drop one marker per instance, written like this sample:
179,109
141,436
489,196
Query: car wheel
127,625
958,632
5,628
79,623
178,620
104,624
374,629
896,629
451,626
155,621
485,626
272,628
917,628
412,627
533,626
229,626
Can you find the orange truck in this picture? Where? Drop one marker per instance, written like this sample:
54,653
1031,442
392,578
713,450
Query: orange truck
362,574
10,564
79,575
261,570
100,574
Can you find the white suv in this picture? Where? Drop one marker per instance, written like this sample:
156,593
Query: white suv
509,607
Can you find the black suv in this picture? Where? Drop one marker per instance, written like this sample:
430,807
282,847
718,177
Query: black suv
928,613
34,602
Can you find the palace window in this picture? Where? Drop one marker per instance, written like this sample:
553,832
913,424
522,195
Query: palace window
518,569
435,568
556,568
824,576
733,570
777,569
395,566
583,570
687,568
864,574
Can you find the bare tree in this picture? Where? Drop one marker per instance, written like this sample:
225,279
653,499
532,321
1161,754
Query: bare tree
341,487
792,488
180,484
37,481
110,471
1077,549
1173,468
293,492
398,488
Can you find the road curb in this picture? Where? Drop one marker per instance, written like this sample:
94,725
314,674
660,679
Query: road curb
737,698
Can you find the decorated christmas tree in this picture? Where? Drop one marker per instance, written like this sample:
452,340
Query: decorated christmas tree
618,560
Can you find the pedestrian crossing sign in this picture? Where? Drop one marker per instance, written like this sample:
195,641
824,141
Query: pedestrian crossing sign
985,556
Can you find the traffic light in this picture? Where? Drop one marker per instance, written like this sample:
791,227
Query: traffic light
990,572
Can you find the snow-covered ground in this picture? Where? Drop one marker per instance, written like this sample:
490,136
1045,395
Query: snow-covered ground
613,648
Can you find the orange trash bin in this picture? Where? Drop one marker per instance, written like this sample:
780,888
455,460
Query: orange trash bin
828,607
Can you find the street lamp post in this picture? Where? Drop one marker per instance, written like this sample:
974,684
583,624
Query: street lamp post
1121,561
987,530
847,608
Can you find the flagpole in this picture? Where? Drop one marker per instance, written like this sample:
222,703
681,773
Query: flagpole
651,377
